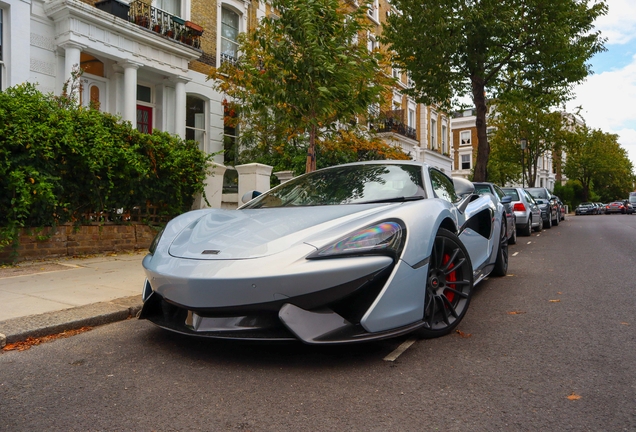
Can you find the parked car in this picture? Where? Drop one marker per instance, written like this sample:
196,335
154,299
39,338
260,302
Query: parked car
615,207
349,253
585,208
506,201
549,208
600,208
526,210
562,210
632,200
629,208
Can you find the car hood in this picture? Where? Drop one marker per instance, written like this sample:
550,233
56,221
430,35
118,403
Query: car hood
252,233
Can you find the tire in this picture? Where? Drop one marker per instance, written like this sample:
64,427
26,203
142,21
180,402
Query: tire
513,238
540,227
556,221
527,231
501,264
549,225
449,285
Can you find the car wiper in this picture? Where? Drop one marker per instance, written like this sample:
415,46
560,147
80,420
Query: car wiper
395,199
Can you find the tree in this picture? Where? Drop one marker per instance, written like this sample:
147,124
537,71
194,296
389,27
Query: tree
598,162
518,119
454,49
303,75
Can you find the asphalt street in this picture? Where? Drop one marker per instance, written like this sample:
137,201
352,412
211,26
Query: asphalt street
549,347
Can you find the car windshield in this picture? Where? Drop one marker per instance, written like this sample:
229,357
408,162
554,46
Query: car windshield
512,193
482,189
352,184
632,198
539,193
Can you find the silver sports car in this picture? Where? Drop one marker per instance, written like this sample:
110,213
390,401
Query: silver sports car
351,253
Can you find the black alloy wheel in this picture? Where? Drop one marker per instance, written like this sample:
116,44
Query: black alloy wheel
501,264
448,286
527,231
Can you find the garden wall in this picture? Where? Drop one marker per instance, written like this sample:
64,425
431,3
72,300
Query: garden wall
68,241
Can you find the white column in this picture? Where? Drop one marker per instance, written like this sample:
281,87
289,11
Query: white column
130,92
180,106
72,53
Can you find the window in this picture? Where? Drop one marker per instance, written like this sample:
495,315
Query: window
443,139
373,10
144,113
195,120
371,42
433,134
443,186
464,138
229,35
411,118
396,73
230,147
173,7
465,161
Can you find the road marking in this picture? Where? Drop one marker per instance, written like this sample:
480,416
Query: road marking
515,254
399,350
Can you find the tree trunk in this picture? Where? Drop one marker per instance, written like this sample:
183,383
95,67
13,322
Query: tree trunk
310,165
480,172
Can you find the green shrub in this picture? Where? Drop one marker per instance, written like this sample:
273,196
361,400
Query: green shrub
60,162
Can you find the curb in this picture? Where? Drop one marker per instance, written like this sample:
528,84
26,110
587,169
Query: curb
96,314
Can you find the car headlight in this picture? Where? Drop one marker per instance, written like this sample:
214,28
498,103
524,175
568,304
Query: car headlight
155,242
385,238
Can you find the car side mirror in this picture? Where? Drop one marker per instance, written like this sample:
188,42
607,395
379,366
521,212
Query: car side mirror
249,196
463,187
506,200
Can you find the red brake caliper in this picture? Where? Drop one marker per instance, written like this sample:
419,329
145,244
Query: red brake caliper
451,277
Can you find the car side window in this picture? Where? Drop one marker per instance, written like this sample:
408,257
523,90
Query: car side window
499,192
443,186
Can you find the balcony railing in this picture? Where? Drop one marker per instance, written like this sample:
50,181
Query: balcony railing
164,23
393,121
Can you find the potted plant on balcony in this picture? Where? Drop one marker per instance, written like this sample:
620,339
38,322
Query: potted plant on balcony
195,29
156,27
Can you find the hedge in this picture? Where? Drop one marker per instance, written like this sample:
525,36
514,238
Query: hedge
62,162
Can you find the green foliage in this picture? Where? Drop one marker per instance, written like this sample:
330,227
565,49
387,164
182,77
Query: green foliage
542,129
301,76
485,49
60,161
598,162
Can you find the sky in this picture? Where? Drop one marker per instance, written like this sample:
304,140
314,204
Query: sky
608,96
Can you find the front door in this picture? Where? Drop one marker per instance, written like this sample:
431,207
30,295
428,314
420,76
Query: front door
144,119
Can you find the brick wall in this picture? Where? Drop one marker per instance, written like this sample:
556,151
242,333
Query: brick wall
67,240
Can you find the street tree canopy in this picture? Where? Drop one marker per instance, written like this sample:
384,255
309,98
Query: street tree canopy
304,74
599,163
485,48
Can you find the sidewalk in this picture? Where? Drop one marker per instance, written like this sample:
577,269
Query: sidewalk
46,297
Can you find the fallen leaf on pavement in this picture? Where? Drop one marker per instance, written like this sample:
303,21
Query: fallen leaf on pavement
29,342
554,301
574,396
516,312
625,323
462,334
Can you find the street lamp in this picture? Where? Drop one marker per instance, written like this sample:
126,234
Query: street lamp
524,143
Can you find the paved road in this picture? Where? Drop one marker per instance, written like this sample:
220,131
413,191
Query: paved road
561,324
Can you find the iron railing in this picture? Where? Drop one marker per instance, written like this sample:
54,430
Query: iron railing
393,121
164,23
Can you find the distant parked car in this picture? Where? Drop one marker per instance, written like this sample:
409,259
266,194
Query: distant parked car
615,207
585,208
548,205
600,207
632,200
526,210
562,211
629,208
500,196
